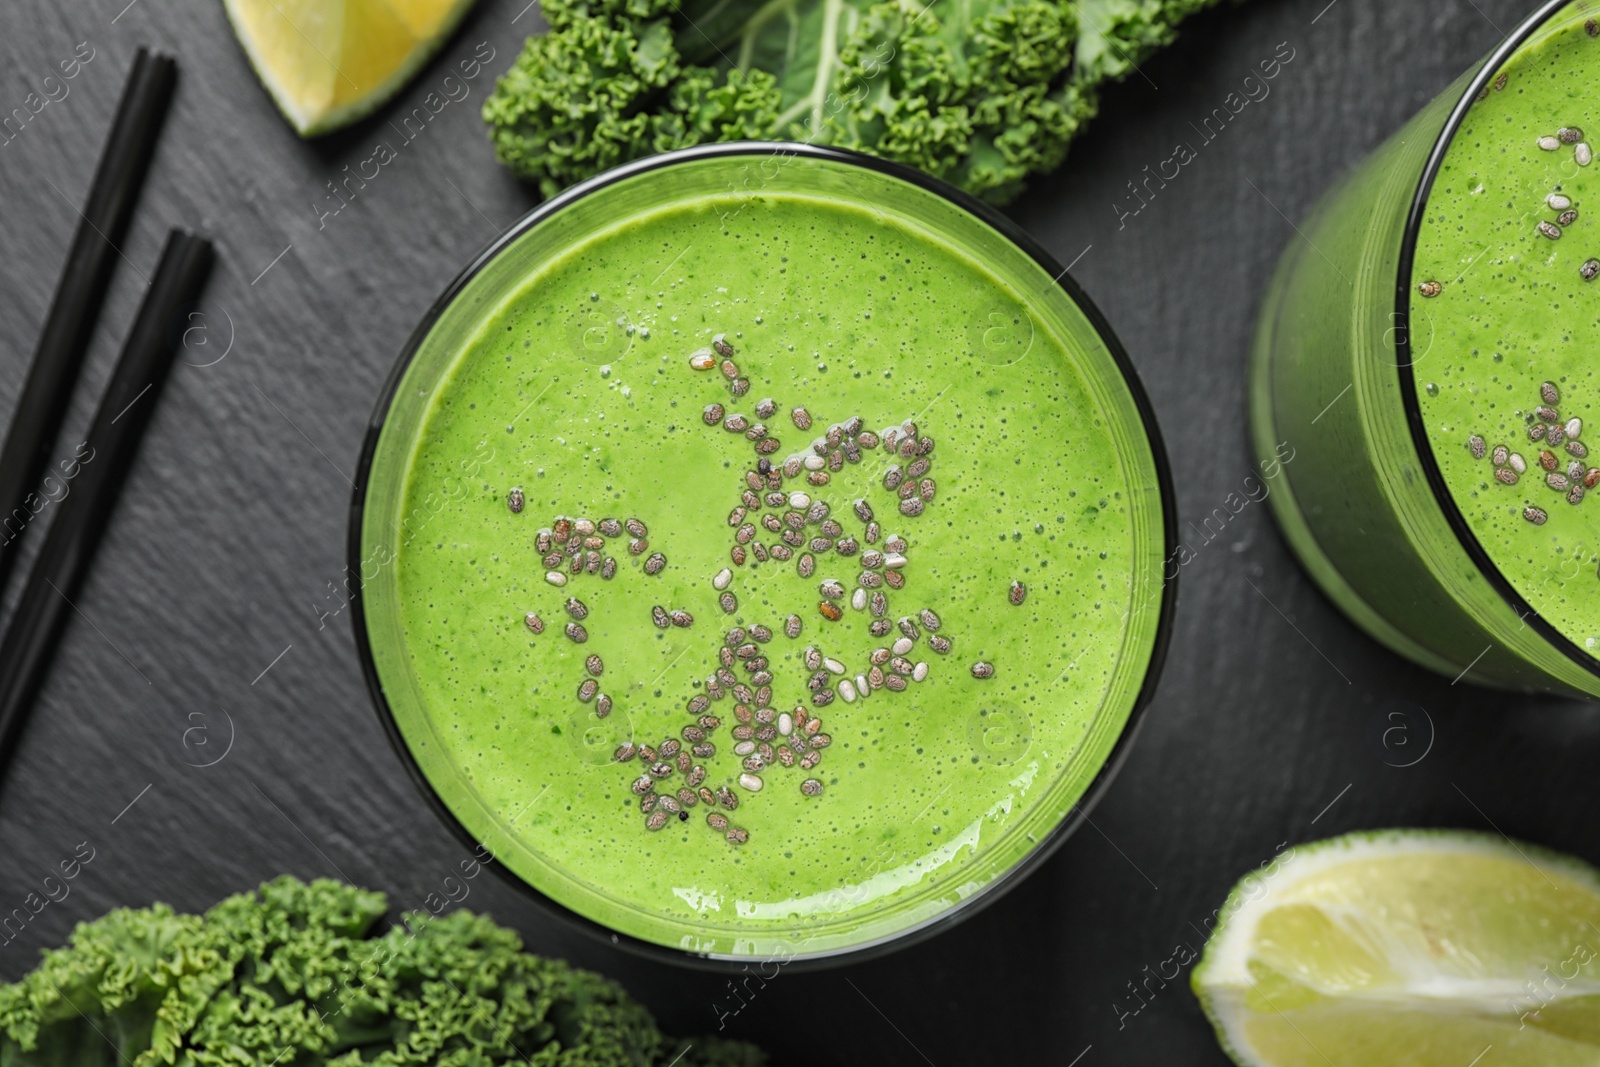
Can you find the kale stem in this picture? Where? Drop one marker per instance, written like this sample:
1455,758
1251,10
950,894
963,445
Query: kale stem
720,26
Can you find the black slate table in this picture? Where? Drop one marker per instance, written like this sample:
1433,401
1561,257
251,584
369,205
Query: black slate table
206,726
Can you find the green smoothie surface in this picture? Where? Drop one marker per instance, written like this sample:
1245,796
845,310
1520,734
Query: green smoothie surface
1506,317
934,769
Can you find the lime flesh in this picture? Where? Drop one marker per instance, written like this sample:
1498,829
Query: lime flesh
1408,947
327,63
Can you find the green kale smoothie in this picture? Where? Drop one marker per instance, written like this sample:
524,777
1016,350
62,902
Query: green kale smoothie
773,570
1421,350
1509,311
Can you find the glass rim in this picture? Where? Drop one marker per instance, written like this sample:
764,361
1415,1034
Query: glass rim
1115,758
1404,364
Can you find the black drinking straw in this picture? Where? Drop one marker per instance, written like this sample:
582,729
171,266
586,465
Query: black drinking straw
81,291
113,440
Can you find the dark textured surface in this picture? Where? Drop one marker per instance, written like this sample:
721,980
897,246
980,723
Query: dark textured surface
226,554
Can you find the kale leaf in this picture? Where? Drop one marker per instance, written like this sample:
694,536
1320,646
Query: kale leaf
298,974
981,93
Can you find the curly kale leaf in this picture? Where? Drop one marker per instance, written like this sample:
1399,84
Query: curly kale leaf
982,93
125,988
579,99
1120,34
296,975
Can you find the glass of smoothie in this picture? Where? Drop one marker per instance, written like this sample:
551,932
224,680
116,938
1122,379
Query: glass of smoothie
1426,351
763,555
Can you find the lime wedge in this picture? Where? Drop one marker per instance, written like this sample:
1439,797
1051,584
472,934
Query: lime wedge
1409,947
327,63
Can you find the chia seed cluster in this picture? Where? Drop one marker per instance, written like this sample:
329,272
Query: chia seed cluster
780,517
1561,460
1558,203
1567,474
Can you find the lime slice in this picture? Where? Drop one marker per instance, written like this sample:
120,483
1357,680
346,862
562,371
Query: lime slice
1408,947
329,62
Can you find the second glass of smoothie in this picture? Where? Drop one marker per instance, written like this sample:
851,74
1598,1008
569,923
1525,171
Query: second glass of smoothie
1426,349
